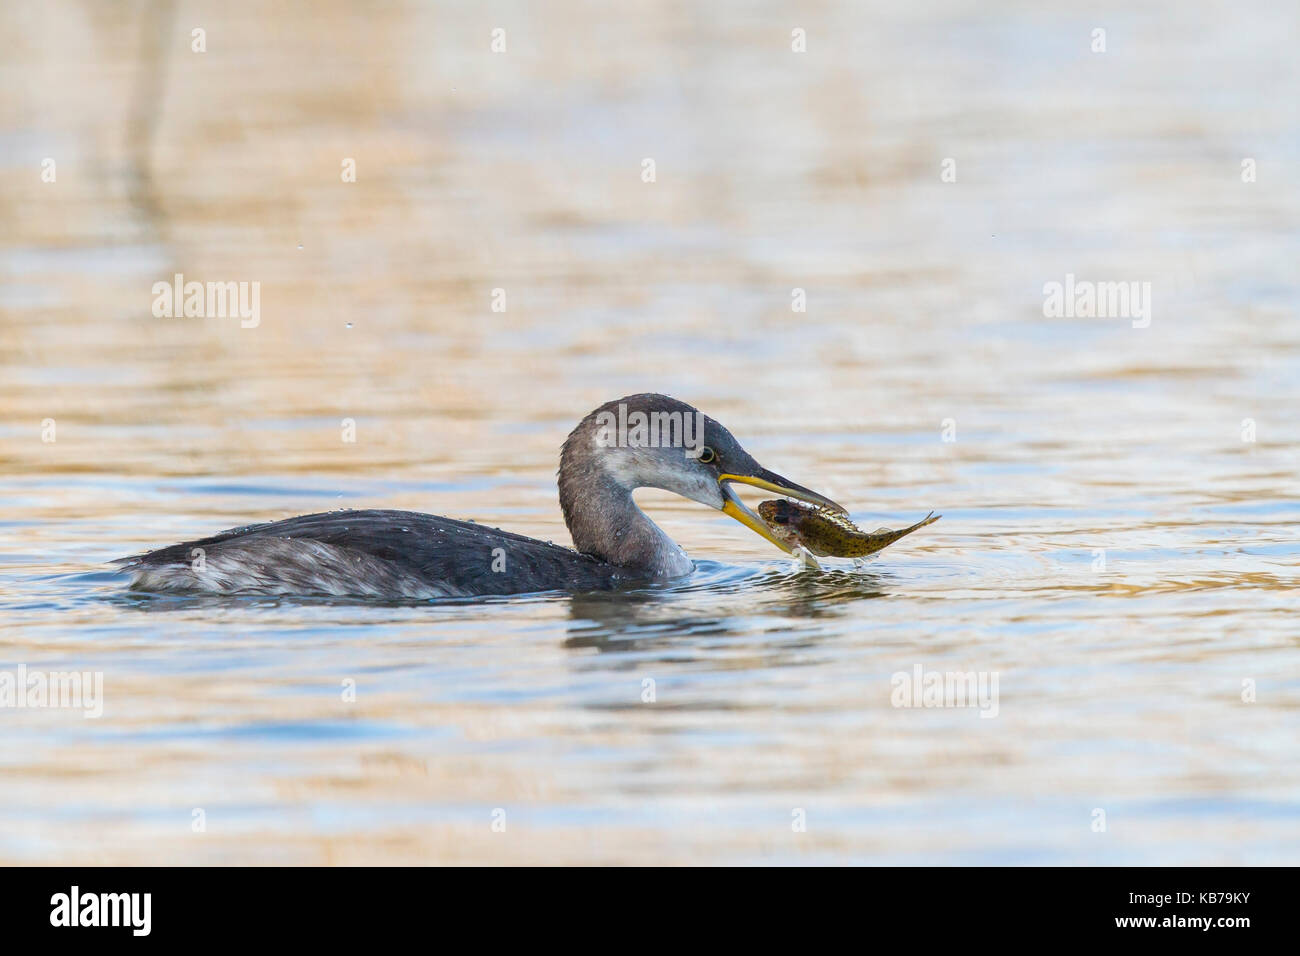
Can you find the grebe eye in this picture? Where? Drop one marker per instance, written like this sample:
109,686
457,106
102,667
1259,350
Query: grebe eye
707,455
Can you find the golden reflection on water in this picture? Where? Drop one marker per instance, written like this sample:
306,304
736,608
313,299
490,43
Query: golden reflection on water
1075,439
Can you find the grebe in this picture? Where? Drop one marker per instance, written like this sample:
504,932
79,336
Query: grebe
641,441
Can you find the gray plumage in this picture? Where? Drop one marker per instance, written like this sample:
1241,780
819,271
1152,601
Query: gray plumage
368,554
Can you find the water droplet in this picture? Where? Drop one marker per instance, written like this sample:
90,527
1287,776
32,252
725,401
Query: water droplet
300,245
349,325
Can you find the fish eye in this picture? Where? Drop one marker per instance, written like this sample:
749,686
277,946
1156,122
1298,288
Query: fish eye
707,455
781,518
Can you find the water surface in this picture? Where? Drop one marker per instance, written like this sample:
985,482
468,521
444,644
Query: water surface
1120,504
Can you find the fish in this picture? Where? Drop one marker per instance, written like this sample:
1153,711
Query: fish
826,533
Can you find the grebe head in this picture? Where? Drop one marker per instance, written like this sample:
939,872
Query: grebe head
654,441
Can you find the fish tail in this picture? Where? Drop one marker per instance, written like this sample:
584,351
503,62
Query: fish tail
879,540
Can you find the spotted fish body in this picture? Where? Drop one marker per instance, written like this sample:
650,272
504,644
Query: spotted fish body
826,533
